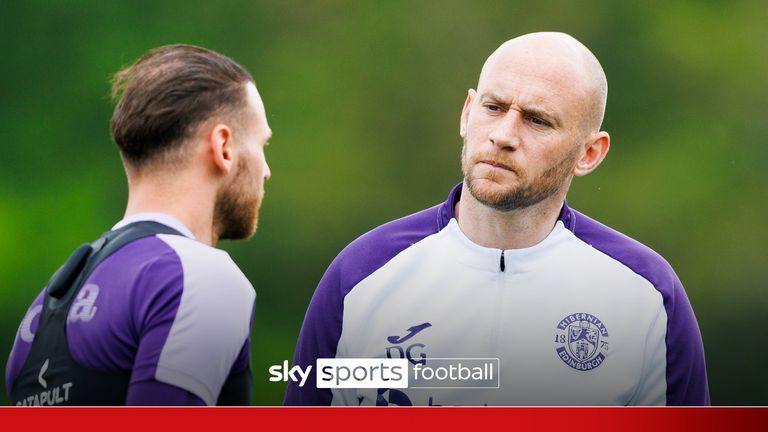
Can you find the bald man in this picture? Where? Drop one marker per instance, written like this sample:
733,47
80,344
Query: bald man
503,294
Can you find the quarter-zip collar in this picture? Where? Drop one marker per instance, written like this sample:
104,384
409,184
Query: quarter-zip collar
498,260
489,259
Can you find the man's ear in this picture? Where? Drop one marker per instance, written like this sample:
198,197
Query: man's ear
220,143
595,150
465,113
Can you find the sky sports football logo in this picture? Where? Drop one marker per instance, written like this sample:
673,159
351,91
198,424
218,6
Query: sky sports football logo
393,373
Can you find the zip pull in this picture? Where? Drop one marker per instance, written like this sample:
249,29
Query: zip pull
501,262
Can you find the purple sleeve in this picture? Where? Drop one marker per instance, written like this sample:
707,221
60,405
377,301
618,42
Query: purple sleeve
159,311
243,360
686,370
319,336
322,325
154,313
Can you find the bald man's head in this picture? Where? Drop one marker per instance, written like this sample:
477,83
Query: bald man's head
534,122
559,59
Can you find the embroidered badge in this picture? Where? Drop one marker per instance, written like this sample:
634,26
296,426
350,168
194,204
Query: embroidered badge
581,341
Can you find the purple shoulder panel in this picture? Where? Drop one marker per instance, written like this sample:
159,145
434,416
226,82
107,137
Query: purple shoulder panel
137,292
321,329
686,369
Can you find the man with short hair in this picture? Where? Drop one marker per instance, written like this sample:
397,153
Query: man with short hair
575,312
152,313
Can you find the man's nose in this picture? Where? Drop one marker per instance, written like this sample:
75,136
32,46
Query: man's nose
267,171
506,131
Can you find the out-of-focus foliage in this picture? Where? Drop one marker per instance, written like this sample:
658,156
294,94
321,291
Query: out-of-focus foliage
364,100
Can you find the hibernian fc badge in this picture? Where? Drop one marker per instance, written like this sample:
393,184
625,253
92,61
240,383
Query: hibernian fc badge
581,341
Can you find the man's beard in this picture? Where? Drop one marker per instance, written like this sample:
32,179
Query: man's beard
236,210
521,192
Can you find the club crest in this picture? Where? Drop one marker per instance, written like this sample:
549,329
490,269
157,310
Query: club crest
581,341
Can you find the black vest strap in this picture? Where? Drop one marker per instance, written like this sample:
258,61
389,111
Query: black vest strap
50,376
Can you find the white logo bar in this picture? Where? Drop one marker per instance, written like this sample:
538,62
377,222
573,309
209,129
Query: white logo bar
362,373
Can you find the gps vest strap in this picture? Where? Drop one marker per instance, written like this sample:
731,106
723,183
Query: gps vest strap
50,376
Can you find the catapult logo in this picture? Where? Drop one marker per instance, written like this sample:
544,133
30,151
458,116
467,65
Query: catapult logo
581,341
49,396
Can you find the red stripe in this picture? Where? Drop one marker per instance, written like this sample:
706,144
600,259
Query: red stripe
385,419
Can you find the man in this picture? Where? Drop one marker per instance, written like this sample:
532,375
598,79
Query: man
152,313
575,313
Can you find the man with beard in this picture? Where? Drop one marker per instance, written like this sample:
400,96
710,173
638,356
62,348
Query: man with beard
569,311
151,313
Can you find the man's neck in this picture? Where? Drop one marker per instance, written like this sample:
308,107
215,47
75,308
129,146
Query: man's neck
189,205
515,229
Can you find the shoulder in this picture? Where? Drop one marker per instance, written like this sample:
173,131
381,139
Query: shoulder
211,323
375,248
167,277
137,258
634,255
323,321
686,377
205,266
165,263
213,287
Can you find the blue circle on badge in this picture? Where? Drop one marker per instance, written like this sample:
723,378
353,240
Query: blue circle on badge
581,341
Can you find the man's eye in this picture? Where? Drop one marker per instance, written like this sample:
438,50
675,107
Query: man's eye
537,121
492,108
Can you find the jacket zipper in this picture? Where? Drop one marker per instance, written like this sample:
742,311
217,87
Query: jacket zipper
501,262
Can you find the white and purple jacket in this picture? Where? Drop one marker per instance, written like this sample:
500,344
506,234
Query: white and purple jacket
586,317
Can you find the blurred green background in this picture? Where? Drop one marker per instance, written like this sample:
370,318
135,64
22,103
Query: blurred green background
364,99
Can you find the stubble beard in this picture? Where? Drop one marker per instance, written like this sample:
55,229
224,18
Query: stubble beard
504,193
236,209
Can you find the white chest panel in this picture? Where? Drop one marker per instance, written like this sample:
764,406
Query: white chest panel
567,322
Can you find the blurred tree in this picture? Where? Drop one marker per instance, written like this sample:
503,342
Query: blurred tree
364,99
